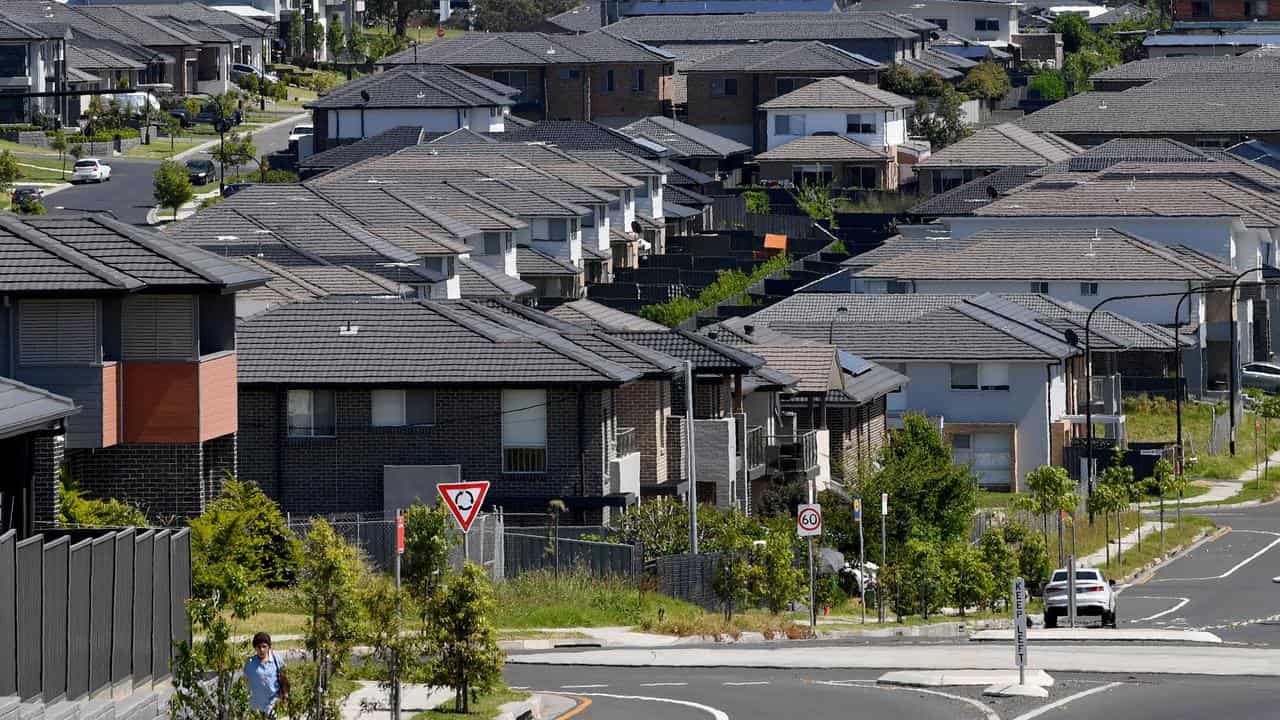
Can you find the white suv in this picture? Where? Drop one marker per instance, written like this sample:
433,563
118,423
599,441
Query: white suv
1094,596
91,170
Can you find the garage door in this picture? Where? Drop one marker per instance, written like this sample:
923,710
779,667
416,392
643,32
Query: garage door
988,454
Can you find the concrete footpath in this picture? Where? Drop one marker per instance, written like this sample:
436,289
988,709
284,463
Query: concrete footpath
370,703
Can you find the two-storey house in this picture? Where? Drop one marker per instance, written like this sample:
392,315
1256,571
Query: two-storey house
989,22
986,151
138,331
31,61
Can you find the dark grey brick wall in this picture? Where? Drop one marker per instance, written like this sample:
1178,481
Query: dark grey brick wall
47,456
164,480
344,473
646,406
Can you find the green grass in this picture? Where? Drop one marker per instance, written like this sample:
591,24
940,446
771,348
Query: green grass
991,499
159,148
1154,420
27,149
1134,558
39,170
486,707
575,599
1265,491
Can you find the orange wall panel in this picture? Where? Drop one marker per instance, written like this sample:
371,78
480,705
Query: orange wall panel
218,397
161,402
110,404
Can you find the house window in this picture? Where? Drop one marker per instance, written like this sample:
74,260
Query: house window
722,87
1201,8
972,376
518,79
400,408
558,230
524,430
608,81
1257,8
962,449
898,287
986,24
637,80
493,243
568,73
940,22
787,84
860,124
1088,289
964,377
311,413
862,177
13,60
788,125
58,332
1040,287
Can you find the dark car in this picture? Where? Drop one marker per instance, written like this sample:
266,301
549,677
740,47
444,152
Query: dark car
26,194
184,117
200,171
233,188
209,114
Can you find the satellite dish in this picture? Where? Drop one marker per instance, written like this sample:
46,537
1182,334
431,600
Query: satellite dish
364,95
992,192
635,227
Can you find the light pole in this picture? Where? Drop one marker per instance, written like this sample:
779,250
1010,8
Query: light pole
1235,336
266,56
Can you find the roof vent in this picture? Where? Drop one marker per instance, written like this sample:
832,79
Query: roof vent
348,329
749,329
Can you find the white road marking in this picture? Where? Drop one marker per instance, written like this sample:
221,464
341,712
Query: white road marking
1173,609
582,687
717,714
519,687
1238,565
664,684
1059,703
986,710
740,684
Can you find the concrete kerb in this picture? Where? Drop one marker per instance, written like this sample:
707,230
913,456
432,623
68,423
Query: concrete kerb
1092,635
1143,574
958,678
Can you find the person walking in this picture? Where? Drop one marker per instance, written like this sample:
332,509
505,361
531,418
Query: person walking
264,672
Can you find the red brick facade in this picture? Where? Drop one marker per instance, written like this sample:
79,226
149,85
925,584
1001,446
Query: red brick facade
1227,10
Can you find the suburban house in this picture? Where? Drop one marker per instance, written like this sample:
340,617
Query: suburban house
843,112
1127,13
989,22
835,159
435,98
1205,16
560,77
358,404
722,92
987,150
717,156
1141,72
140,333
992,378
33,426
31,60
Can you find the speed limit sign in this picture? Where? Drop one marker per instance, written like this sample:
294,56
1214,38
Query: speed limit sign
809,520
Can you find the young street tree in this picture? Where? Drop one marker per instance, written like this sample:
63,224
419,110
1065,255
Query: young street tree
172,186
461,640
1052,492
9,172
426,549
59,142
329,578
776,580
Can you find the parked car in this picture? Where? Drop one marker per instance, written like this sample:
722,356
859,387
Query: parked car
201,172
300,131
1095,597
1261,375
209,114
183,116
238,71
233,188
91,170
26,194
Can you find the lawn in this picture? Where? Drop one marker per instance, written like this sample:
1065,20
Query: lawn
486,707
159,148
37,170
1154,420
25,149
541,600
1265,491
1134,558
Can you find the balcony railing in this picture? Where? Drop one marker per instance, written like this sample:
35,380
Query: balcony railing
524,459
755,449
797,453
626,441
1104,394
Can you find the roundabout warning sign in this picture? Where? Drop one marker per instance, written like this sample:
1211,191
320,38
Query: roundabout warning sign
809,520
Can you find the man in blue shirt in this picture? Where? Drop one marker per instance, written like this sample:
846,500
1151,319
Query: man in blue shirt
264,672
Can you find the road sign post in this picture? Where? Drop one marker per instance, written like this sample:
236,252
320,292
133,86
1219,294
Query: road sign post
395,669
862,562
1020,628
1071,591
884,510
809,525
464,500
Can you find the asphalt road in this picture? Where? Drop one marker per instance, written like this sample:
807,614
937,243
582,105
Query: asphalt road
696,693
128,196
1224,586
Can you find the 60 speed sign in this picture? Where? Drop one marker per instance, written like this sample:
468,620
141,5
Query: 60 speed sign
809,520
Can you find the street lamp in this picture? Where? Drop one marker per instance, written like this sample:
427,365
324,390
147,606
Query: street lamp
266,55
1235,336
840,314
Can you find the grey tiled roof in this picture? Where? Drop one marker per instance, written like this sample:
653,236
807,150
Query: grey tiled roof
315,281
814,367
142,29
527,48
684,196
967,198
707,356
384,143
532,261
100,253
1000,146
1156,68
684,138
13,30
630,355
830,27
594,316
1125,13
1039,252
899,245
91,58
399,341
820,308
780,56
419,86
1118,150
25,408
574,135
1107,331
583,18
838,92
479,280
830,148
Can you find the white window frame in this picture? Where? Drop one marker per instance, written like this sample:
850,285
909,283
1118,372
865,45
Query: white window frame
1088,289
522,409
310,394
855,119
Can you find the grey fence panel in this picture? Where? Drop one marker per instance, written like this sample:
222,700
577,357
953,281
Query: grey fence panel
101,593
143,581
179,585
160,597
122,608
8,615
54,589
525,553
30,638
690,578
79,601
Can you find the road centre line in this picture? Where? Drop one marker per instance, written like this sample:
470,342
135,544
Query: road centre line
740,684
1238,565
717,714
664,684
1162,613
986,711
582,687
1063,701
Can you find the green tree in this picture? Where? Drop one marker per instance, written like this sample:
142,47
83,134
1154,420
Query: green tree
968,578
732,538
815,199
1108,498
899,80
171,125
59,143
237,151
515,15
775,579
394,645
329,579
1075,32
335,38
172,186
986,81
270,553
426,549
295,40
1162,483
660,524
75,509
461,639
920,563
940,122
757,202
1047,85
9,171
1001,559
1051,493
928,493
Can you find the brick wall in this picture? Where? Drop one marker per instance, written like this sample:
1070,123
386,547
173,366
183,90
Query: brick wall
47,455
164,480
344,473
1221,10
623,102
857,432
646,406
567,96
706,109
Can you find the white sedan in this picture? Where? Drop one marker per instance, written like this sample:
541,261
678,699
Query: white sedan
1094,596
91,170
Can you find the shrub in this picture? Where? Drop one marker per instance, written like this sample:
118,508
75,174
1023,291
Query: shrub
757,202
728,284
461,638
75,509
32,206
269,551
1047,85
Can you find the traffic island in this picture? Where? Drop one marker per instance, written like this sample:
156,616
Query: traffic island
1092,635
961,678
